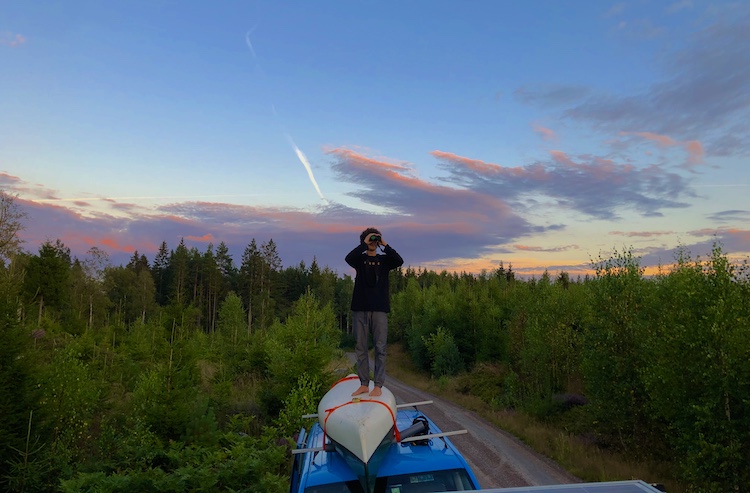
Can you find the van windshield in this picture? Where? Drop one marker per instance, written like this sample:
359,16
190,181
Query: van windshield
447,480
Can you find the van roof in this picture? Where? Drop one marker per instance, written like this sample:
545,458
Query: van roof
402,458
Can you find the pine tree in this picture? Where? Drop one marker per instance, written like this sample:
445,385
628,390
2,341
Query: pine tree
269,280
138,263
226,267
178,270
47,277
248,280
159,273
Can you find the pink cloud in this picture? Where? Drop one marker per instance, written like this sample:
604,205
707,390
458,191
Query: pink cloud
17,186
437,203
473,164
207,238
736,232
662,140
114,244
561,157
11,40
741,234
694,148
365,161
8,179
489,169
695,152
545,133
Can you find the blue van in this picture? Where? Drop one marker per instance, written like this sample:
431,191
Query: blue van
422,465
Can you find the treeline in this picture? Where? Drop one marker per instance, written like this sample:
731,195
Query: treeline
90,292
656,367
183,375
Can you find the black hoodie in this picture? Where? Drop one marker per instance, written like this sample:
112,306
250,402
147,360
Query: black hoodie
371,282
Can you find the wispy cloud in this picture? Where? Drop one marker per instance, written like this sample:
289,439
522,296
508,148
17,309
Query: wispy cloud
693,148
679,6
640,29
615,10
545,133
529,248
734,215
662,140
642,234
551,94
703,92
590,185
17,185
11,40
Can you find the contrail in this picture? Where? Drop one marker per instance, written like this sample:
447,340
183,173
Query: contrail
303,159
300,155
249,43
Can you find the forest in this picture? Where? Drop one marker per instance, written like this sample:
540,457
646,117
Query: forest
190,371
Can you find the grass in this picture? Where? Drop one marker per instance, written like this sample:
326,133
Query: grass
577,455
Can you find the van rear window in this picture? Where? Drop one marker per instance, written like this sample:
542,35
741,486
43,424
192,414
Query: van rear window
448,480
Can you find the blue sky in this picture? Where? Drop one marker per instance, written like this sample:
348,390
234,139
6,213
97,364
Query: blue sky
542,134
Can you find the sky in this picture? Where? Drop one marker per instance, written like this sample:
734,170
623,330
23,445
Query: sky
543,135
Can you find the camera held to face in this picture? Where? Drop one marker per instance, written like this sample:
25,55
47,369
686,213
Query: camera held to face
375,238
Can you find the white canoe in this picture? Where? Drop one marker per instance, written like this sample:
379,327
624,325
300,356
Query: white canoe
360,423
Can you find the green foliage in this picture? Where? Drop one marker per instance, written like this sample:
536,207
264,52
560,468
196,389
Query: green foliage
69,399
654,366
15,373
28,470
485,381
549,351
614,349
303,399
706,401
170,405
130,293
305,343
512,395
45,284
232,318
405,321
443,352
241,464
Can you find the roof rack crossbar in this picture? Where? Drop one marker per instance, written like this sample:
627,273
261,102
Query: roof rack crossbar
433,435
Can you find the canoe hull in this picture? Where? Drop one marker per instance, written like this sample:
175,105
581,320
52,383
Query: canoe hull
357,424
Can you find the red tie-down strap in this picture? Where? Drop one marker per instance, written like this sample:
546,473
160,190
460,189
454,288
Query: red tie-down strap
357,401
349,377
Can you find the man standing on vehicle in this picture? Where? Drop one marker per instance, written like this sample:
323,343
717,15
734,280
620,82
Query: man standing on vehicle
371,303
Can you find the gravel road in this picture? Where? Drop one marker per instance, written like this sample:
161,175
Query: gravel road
498,459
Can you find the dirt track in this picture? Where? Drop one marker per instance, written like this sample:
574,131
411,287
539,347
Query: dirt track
498,459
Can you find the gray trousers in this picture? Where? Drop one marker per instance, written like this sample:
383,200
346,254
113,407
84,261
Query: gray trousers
364,323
